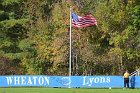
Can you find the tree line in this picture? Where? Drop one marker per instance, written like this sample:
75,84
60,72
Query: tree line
34,37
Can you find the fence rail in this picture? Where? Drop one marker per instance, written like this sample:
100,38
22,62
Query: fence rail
136,73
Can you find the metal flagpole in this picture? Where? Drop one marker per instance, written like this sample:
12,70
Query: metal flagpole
70,46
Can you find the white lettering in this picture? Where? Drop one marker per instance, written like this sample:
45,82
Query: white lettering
108,80
29,81
85,82
34,78
9,80
23,80
96,80
17,81
47,80
90,81
102,79
41,80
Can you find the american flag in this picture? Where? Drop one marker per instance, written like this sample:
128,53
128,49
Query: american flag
83,21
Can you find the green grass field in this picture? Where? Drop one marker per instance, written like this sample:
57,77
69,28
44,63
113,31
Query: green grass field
66,90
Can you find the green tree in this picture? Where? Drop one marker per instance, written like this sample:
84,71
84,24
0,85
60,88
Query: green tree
12,30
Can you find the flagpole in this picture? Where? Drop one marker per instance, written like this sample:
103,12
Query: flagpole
70,46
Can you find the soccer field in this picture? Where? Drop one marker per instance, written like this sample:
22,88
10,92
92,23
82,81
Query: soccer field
66,90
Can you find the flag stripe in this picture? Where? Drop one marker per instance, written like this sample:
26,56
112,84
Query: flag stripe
83,21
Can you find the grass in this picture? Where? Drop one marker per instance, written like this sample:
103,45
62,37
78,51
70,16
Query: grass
66,90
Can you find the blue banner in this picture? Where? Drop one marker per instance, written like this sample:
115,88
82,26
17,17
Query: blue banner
66,81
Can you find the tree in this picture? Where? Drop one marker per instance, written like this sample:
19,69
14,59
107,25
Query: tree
12,30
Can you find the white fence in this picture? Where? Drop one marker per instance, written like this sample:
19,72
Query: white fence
136,73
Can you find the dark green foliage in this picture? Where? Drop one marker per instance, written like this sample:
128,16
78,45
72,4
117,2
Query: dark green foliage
34,37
